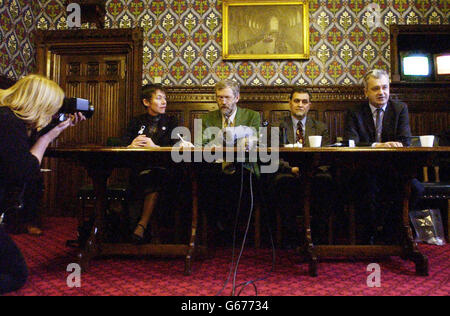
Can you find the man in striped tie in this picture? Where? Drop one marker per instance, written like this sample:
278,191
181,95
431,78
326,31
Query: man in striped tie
296,128
379,122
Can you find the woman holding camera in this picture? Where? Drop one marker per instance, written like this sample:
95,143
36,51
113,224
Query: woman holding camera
25,108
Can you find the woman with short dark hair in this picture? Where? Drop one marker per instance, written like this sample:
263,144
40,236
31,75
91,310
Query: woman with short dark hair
149,130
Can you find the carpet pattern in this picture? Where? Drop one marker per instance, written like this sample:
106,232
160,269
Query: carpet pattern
48,258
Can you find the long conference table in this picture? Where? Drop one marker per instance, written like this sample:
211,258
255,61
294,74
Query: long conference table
100,161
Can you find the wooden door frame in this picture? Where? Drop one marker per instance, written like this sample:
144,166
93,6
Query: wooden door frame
50,44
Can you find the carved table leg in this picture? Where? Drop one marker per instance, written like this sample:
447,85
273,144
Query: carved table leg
190,253
309,250
411,251
92,248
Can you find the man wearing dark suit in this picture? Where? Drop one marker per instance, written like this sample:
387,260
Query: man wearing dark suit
220,182
296,128
380,122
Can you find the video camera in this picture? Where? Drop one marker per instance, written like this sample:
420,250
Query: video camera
70,106
73,105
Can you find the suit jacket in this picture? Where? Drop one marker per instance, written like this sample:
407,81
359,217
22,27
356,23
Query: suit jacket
245,117
312,127
158,129
360,127
161,135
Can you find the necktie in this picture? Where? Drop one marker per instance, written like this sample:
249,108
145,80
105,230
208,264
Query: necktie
300,138
228,123
378,126
227,167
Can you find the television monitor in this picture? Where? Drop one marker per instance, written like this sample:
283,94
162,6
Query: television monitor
442,66
415,66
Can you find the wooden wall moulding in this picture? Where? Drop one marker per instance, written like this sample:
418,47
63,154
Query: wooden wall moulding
426,38
51,45
425,97
329,104
105,67
268,94
429,108
110,36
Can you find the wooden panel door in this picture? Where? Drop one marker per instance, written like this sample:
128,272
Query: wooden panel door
102,80
104,67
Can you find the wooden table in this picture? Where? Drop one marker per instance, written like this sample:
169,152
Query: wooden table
100,161
405,160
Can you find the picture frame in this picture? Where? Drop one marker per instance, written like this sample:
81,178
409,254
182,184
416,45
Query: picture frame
265,29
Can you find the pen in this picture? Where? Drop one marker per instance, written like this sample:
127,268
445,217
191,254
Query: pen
188,144
181,138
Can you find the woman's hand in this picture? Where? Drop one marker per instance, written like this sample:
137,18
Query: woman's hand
76,118
73,120
42,143
142,141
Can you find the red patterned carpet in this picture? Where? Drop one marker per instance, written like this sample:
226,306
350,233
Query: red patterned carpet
48,258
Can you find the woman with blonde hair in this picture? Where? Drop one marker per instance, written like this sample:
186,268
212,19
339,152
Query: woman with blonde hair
25,109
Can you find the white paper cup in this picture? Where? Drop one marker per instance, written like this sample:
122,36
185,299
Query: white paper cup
351,143
315,141
427,140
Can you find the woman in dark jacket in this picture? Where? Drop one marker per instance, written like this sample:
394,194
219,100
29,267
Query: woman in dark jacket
149,130
25,108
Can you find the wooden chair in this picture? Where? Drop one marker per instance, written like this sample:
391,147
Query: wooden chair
437,190
86,199
434,188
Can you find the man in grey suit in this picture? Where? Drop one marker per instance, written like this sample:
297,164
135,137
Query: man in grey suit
296,128
379,122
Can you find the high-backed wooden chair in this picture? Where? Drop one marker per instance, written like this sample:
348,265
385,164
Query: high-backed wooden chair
435,189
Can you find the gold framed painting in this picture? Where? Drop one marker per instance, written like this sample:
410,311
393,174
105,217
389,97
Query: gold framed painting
265,29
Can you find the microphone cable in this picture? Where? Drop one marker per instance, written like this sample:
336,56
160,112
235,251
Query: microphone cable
244,239
234,231
253,282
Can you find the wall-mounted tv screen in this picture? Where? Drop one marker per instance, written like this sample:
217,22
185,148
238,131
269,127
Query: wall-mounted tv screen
442,66
415,66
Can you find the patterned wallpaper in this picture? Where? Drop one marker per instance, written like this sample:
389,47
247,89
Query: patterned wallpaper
182,42
17,21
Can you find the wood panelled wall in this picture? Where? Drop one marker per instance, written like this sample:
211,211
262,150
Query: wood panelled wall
429,105
429,108
429,114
